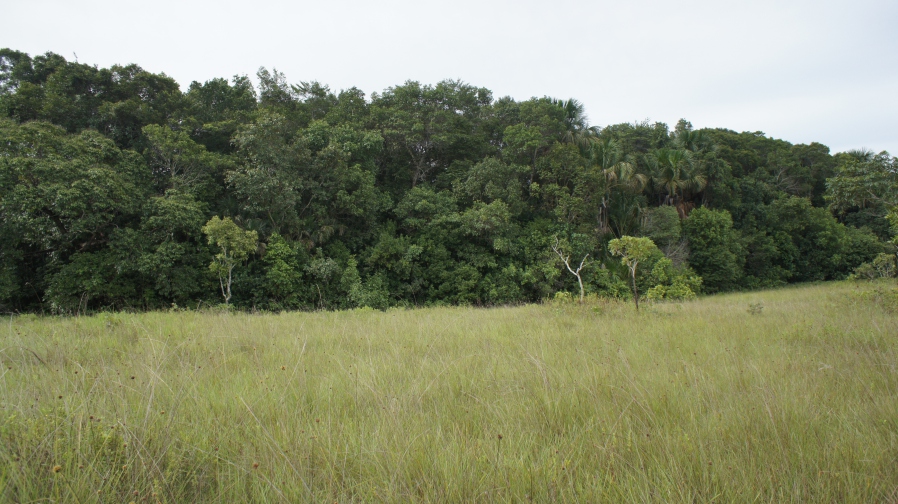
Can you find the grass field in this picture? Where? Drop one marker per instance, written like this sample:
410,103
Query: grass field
788,395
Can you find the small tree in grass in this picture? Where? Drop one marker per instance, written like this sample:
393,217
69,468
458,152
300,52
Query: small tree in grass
566,258
632,251
235,244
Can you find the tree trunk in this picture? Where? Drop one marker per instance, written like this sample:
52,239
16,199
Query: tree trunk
228,295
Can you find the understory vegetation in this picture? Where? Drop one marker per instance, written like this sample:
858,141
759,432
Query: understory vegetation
120,191
784,395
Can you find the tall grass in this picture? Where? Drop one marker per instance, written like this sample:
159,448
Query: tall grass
779,396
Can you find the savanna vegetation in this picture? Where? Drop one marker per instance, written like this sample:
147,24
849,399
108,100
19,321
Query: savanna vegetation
118,190
787,395
134,215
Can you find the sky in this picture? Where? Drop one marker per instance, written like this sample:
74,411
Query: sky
803,71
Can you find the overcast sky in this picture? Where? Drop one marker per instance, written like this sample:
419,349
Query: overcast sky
800,70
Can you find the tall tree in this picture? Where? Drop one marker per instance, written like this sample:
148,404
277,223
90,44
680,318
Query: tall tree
622,187
426,128
675,175
576,124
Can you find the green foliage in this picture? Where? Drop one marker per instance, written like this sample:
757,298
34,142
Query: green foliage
234,246
308,185
179,163
420,195
168,249
492,180
633,250
524,143
715,250
283,276
883,266
65,192
426,127
372,293
812,245
63,198
90,277
216,109
662,225
863,189
675,174
672,283
862,180
117,101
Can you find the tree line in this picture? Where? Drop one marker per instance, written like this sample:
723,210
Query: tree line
120,191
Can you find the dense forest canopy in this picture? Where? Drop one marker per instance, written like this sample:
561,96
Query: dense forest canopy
118,190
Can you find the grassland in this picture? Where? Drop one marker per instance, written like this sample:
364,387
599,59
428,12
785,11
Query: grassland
779,396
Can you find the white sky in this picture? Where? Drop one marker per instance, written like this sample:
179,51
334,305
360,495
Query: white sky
800,70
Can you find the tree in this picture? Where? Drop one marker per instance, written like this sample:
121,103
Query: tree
715,249
283,276
216,109
663,225
168,247
576,125
567,188
566,258
309,184
812,244
862,180
622,183
493,180
633,251
418,195
674,172
66,193
179,163
425,128
817,165
639,138
864,188
235,244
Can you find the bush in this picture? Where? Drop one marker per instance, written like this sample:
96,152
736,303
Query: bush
673,283
883,266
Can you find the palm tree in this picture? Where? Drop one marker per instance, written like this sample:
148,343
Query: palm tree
705,158
691,140
674,172
577,129
621,179
862,155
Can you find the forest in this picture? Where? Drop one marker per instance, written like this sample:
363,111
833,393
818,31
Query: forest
120,191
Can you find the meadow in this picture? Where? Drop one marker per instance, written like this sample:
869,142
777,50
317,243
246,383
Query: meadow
787,395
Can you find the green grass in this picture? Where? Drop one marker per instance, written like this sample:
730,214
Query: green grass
788,395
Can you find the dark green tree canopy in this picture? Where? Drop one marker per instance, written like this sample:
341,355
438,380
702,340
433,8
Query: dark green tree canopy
420,194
